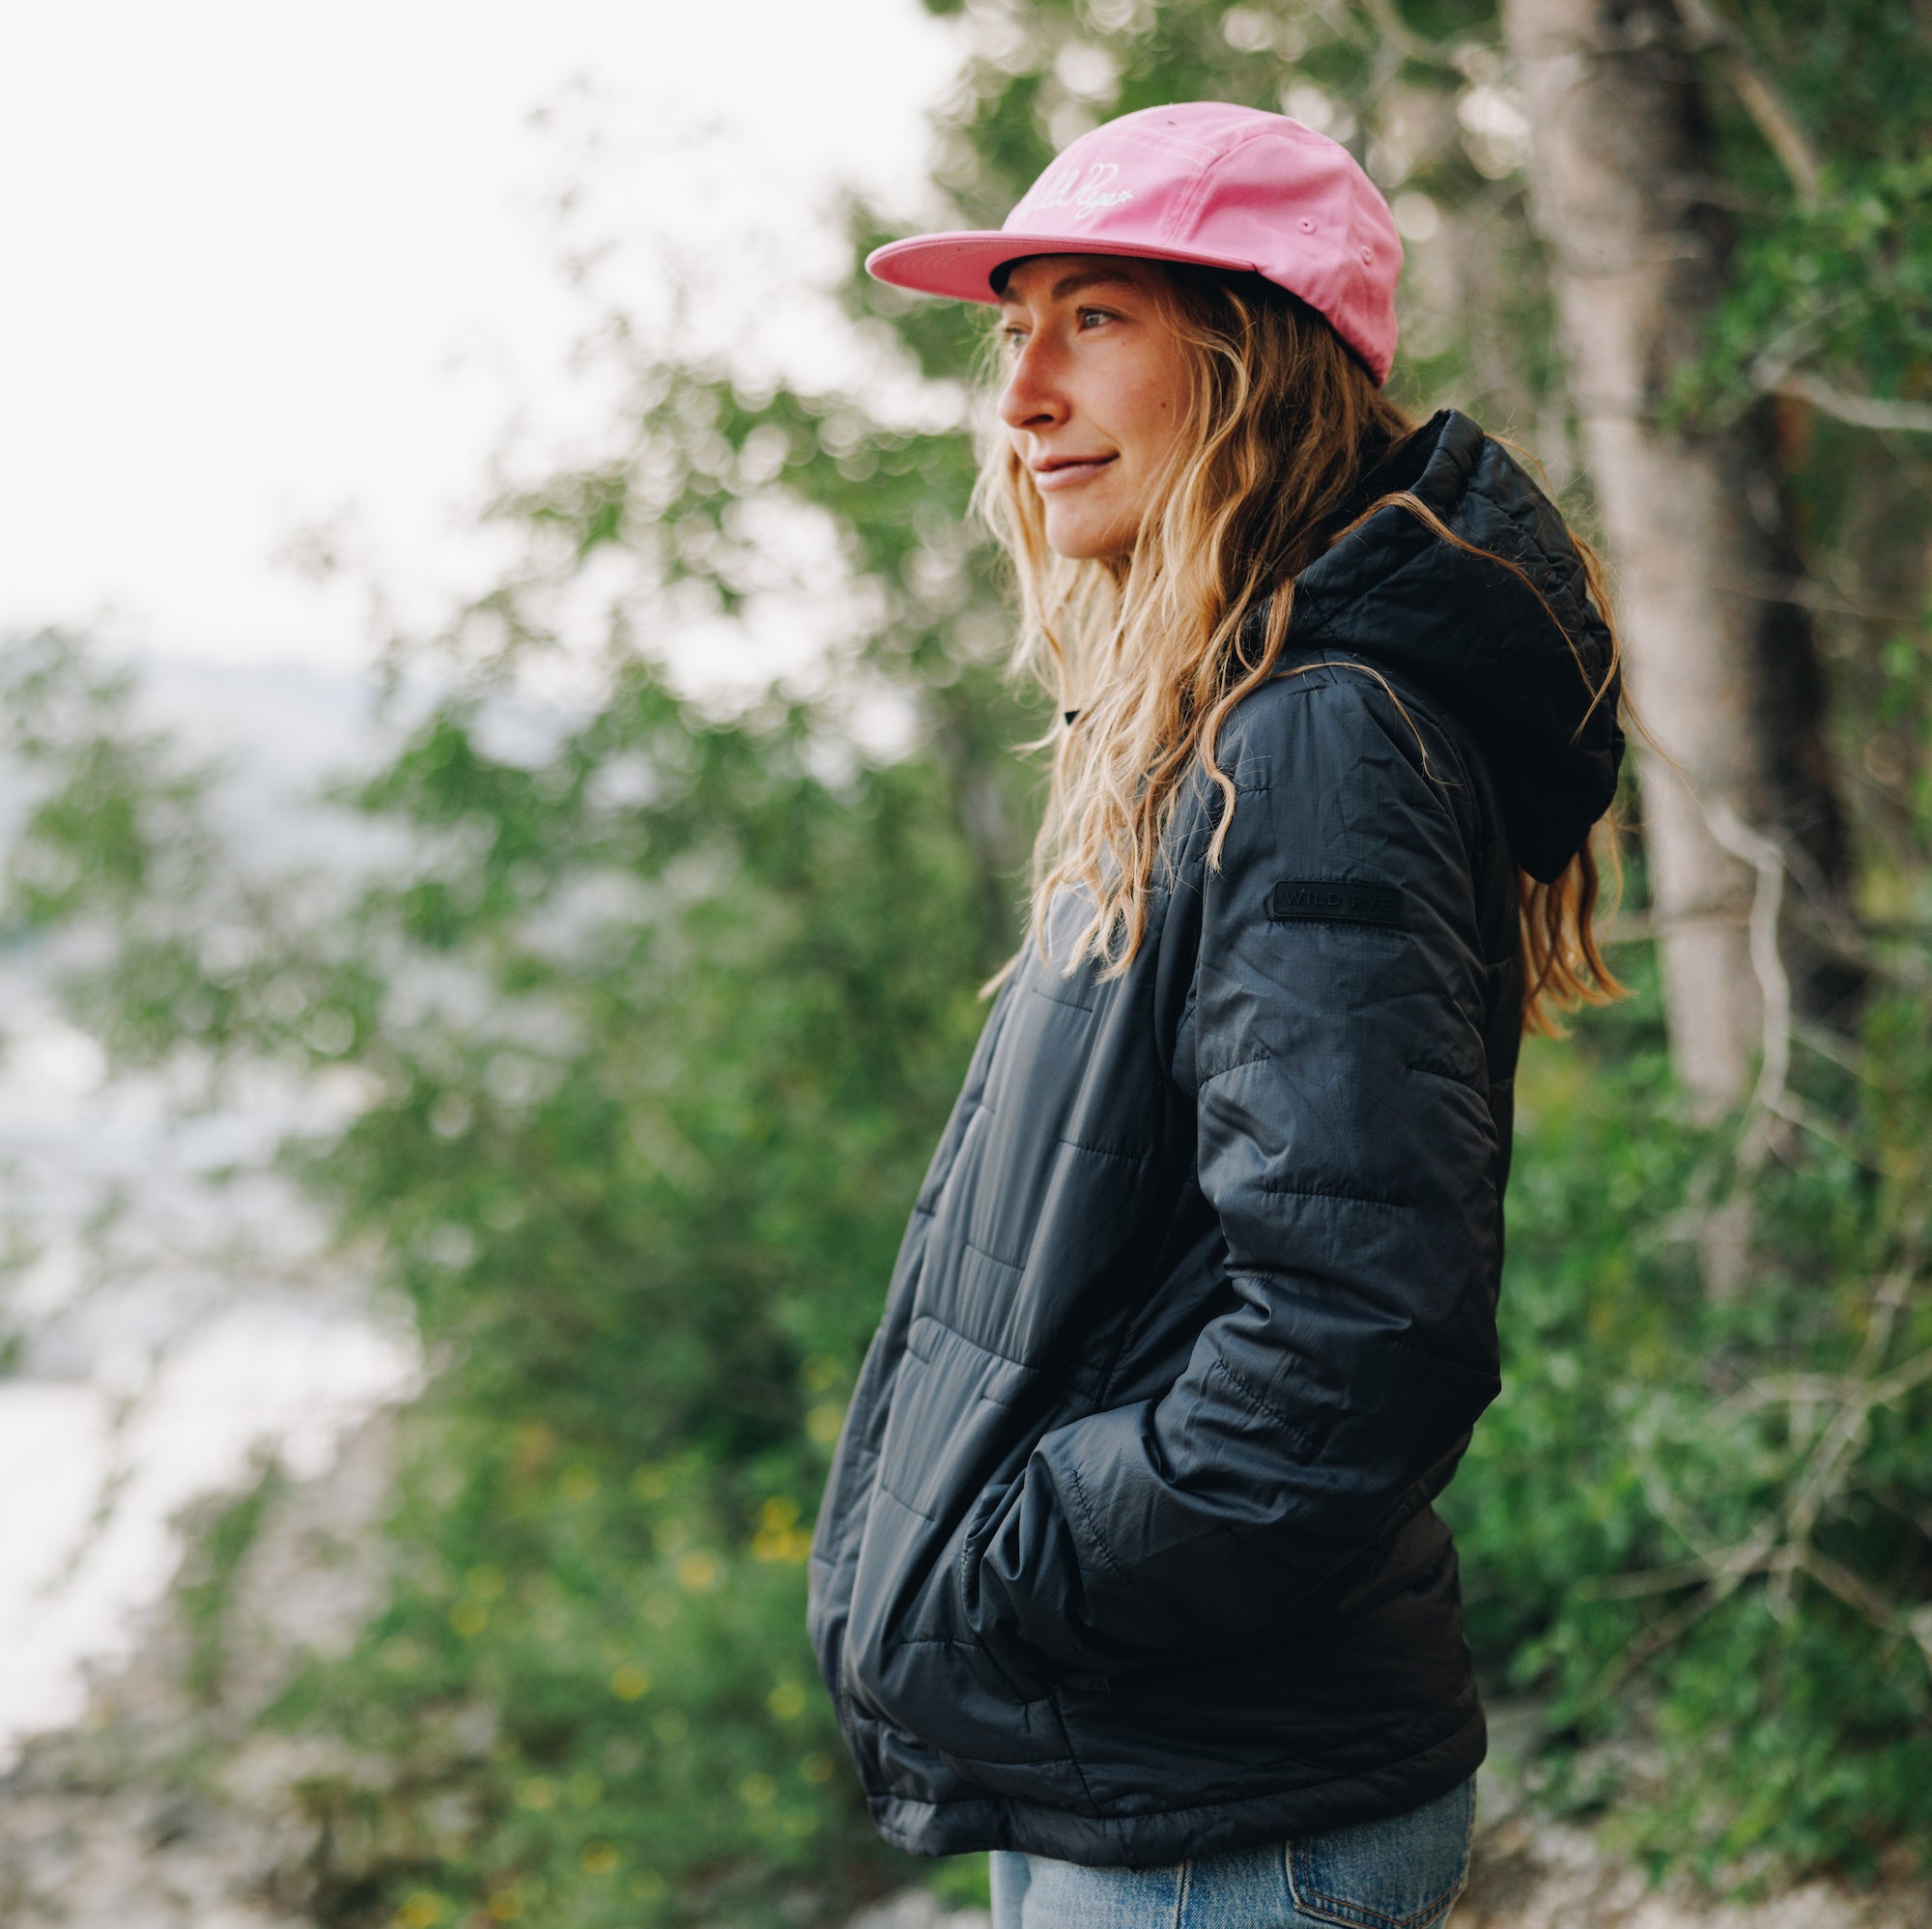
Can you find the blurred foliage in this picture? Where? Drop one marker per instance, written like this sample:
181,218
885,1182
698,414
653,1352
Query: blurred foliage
645,1018
1840,279
652,1035
206,1588
1696,1524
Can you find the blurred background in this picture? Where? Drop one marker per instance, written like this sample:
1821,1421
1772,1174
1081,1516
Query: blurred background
508,794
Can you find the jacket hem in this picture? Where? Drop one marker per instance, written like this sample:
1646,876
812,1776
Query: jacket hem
969,1825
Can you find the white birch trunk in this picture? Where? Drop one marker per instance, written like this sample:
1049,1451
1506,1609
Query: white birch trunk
1620,173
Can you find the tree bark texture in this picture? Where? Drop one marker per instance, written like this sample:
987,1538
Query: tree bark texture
1721,664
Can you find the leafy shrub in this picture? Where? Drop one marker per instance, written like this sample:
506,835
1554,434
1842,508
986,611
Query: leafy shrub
1697,1519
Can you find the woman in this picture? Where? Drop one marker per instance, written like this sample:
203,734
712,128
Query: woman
1128,1567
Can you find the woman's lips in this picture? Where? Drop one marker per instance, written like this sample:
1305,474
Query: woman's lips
1064,474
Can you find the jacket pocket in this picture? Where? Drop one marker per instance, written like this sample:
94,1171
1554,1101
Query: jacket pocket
1404,1872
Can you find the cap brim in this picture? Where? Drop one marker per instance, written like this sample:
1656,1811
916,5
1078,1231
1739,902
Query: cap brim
962,265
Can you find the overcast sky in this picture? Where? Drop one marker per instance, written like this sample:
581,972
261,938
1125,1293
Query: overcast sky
267,265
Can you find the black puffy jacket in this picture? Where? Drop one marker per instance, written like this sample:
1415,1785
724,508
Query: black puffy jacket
1128,1553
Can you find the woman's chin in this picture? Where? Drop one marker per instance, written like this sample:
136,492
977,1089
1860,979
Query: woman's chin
1088,538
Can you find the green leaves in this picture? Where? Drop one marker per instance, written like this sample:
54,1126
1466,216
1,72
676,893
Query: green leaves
644,1198
621,1752
1838,284
1698,1521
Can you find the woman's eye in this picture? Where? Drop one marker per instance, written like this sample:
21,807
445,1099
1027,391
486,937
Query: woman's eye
1091,318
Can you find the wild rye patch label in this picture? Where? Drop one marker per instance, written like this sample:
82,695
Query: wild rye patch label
1335,901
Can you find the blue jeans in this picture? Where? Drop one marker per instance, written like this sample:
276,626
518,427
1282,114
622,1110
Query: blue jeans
1403,1873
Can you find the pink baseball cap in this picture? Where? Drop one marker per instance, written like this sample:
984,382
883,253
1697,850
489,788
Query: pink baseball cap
1202,182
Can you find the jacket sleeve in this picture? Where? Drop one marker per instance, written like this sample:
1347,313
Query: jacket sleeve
1346,1142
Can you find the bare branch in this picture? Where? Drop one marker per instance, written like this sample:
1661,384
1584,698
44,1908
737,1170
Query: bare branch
1795,1111
1901,1380
1827,1045
1781,1547
1728,1574
1633,1586
1863,411
1854,1592
1760,99
1788,1389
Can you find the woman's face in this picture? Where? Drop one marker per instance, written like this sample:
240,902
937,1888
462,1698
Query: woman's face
1096,390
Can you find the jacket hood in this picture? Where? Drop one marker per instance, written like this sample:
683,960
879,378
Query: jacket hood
1471,633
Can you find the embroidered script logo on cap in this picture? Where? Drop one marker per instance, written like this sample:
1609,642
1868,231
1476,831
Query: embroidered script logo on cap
1063,187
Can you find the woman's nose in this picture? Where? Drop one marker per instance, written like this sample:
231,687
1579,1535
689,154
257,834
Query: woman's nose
1032,399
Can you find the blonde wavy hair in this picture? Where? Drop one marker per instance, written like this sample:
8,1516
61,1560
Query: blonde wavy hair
1150,652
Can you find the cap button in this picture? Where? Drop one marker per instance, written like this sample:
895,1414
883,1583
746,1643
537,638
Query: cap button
1369,256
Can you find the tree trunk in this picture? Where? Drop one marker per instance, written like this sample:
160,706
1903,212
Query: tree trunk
1722,666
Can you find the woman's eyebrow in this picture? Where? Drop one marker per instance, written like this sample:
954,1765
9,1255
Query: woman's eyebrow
1072,284
1075,283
